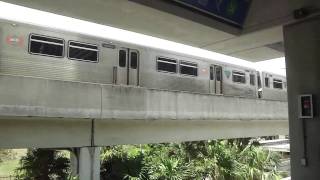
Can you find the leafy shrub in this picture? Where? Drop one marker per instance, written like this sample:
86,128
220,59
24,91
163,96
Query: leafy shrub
43,164
239,159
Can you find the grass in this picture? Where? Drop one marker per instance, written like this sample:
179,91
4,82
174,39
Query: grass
7,168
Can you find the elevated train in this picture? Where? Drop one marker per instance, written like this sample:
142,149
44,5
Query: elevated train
28,50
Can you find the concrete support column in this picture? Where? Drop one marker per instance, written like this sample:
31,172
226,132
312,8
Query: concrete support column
74,165
302,47
89,163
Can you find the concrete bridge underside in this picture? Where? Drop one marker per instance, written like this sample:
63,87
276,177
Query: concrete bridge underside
37,112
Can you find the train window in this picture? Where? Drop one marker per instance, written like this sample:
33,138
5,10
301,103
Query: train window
122,58
239,77
266,82
211,73
166,65
277,84
188,68
83,51
47,46
252,79
134,60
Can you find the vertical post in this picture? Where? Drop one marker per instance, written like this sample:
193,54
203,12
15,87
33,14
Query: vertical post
74,154
302,47
89,163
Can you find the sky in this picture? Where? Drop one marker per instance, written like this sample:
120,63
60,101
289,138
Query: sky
277,65
36,17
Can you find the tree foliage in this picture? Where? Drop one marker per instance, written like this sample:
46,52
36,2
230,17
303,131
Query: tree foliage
43,164
239,159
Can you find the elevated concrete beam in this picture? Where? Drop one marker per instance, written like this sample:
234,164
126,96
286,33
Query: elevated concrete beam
59,133
26,96
141,132
37,112
30,132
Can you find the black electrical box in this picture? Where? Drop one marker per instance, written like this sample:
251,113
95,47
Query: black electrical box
306,106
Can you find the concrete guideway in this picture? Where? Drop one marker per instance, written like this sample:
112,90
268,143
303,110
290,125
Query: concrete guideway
37,112
43,113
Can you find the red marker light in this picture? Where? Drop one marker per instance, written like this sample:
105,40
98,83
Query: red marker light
14,40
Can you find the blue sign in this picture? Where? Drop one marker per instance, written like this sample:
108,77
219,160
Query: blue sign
231,11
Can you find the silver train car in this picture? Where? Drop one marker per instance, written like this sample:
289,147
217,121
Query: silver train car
27,50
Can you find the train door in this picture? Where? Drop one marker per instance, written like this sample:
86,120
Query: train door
216,79
218,72
133,72
212,83
127,70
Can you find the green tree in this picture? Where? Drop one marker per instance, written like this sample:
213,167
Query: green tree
168,162
255,163
43,164
123,162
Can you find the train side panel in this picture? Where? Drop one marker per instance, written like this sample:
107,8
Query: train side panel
274,87
16,59
238,88
152,77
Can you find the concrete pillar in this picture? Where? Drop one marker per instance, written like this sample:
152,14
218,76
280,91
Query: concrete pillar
302,48
74,165
89,163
